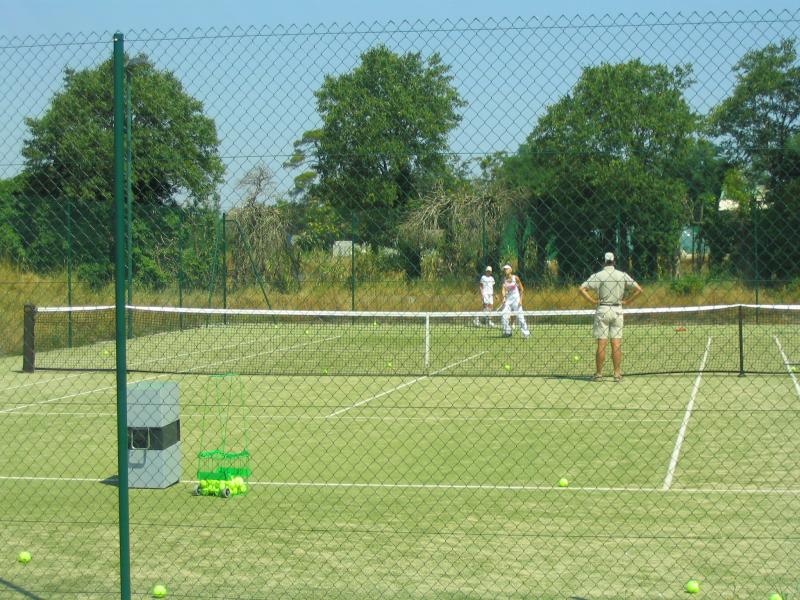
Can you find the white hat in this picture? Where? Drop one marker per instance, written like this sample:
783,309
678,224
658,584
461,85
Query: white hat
489,269
609,257
506,266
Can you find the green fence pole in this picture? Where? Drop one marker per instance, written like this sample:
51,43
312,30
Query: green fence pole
119,297
180,267
214,263
69,272
129,192
755,252
352,260
224,268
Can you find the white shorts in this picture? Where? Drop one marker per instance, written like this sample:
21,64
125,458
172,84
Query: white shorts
488,299
607,323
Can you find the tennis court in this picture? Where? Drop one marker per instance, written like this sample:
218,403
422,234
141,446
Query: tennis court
390,477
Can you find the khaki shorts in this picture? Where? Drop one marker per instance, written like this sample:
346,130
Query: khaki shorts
607,323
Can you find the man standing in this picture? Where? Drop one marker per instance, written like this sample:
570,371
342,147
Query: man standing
486,289
610,286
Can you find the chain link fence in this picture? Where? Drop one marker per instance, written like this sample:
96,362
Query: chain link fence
318,404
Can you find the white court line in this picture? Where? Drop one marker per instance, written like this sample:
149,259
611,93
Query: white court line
787,364
404,385
676,451
16,387
451,486
112,387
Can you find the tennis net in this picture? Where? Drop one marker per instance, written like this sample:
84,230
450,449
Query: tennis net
725,338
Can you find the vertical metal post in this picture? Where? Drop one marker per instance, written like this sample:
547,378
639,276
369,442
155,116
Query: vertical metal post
129,193
741,341
427,342
69,272
352,260
224,269
484,239
29,339
755,251
119,297
180,267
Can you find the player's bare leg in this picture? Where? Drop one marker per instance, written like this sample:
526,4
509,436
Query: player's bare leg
600,358
616,357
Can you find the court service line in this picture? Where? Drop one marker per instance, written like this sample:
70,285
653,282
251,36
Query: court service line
404,385
788,366
676,451
490,487
60,378
111,387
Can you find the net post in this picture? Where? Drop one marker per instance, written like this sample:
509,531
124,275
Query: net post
28,340
741,340
427,342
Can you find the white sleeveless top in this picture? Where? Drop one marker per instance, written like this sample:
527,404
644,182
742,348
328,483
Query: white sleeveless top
511,287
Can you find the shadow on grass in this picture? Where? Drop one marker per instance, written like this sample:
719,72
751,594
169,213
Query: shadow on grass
21,591
111,480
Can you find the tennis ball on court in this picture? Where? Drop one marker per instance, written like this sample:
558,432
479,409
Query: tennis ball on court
106,352
693,586
159,591
563,482
389,364
324,371
306,331
576,358
507,367
24,557
776,597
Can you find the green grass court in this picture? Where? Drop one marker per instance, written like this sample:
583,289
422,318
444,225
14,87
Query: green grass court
412,481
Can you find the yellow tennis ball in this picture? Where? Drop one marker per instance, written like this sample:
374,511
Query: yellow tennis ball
159,591
24,557
507,367
563,482
775,596
693,586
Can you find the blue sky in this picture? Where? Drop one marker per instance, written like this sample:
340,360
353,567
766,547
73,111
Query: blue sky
259,89
26,17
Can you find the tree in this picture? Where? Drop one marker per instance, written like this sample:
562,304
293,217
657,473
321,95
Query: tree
763,111
600,164
69,152
383,139
760,127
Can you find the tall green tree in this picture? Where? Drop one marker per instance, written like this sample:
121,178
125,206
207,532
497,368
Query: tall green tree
600,166
68,154
383,139
759,124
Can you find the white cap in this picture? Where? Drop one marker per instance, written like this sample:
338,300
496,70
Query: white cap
489,269
609,257
506,267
